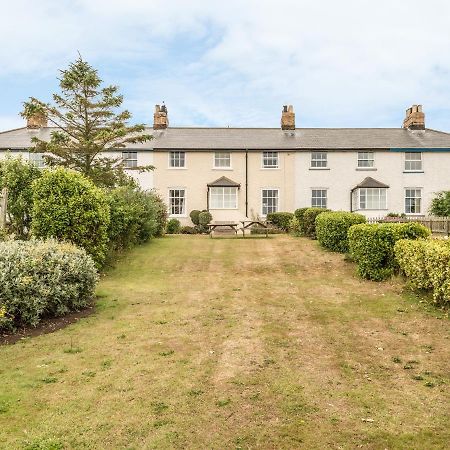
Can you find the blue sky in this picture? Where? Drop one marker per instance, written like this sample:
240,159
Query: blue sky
353,63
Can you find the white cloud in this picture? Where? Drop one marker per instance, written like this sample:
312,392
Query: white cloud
351,63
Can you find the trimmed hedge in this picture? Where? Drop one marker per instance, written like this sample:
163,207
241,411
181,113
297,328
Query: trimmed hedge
173,226
332,229
309,221
194,215
299,215
372,246
204,218
426,263
280,219
69,207
41,279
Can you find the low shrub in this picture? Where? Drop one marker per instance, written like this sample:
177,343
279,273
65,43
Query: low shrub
372,246
135,217
299,215
173,226
194,216
280,219
204,218
332,229
426,263
309,221
42,279
294,226
69,207
188,230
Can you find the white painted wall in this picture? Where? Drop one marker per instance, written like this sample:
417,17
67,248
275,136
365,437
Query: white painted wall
343,175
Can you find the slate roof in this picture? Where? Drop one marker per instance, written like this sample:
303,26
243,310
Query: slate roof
224,182
263,138
370,182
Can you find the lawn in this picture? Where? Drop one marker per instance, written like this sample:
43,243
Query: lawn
234,343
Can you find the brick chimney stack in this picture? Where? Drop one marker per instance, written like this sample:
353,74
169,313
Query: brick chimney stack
160,118
37,120
288,118
415,118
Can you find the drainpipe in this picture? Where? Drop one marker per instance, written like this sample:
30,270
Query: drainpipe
351,199
246,182
207,199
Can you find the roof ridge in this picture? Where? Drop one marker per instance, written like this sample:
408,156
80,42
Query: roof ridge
14,129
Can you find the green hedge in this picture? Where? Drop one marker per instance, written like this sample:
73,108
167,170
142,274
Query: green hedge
135,216
69,207
426,263
332,229
299,215
173,226
43,279
280,219
309,221
372,246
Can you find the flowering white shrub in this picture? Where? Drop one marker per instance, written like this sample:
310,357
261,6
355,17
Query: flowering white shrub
43,279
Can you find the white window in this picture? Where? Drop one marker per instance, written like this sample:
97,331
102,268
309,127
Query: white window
269,201
223,197
129,159
413,200
413,161
270,160
365,159
177,159
372,198
37,159
319,198
319,159
222,160
177,202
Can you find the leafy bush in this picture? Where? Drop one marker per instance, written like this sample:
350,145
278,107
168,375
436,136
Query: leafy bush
194,216
440,205
280,219
426,263
294,226
69,207
372,246
188,230
43,279
135,216
173,226
410,256
332,229
309,221
18,175
299,214
159,209
204,218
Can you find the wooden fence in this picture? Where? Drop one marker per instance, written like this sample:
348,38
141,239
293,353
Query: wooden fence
3,206
437,225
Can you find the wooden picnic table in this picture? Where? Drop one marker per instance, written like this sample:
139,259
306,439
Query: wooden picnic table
231,225
246,224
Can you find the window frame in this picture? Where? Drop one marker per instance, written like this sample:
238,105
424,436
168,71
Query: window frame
184,205
38,161
179,152
223,188
314,161
265,158
215,166
277,207
379,189
406,161
316,197
359,160
134,161
413,198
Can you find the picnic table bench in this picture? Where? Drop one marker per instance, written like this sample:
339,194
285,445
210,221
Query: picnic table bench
231,225
248,224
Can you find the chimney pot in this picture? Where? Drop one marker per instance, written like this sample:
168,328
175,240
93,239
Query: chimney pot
288,118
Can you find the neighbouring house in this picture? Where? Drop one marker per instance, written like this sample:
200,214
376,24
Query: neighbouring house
249,172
